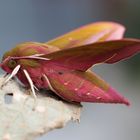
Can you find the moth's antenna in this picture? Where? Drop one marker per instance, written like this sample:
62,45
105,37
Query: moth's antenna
36,56
30,83
5,60
39,58
14,72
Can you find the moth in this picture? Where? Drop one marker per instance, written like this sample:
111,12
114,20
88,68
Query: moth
63,64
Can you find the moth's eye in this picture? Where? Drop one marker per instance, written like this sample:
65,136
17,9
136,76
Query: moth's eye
12,63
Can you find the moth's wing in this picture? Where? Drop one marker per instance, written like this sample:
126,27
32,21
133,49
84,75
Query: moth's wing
83,87
100,31
83,57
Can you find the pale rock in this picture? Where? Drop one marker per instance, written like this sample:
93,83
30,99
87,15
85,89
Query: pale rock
24,118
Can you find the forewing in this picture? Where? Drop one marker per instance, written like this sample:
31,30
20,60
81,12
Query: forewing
82,58
79,86
100,31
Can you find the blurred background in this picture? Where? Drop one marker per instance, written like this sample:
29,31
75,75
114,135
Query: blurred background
41,20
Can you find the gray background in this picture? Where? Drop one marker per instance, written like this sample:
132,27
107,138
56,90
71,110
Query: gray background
41,20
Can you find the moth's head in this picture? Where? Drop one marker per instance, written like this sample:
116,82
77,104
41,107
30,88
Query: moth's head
8,64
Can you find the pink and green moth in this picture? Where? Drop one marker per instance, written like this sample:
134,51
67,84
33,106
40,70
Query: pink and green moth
63,64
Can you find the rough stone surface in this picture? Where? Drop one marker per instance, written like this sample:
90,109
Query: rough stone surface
24,118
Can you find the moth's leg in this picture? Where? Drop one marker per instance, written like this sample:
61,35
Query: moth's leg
36,88
14,72
30,83
29,91
49,84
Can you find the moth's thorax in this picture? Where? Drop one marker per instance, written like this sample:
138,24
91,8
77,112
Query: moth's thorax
37,74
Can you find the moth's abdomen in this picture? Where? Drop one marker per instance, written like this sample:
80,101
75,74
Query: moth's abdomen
84,87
